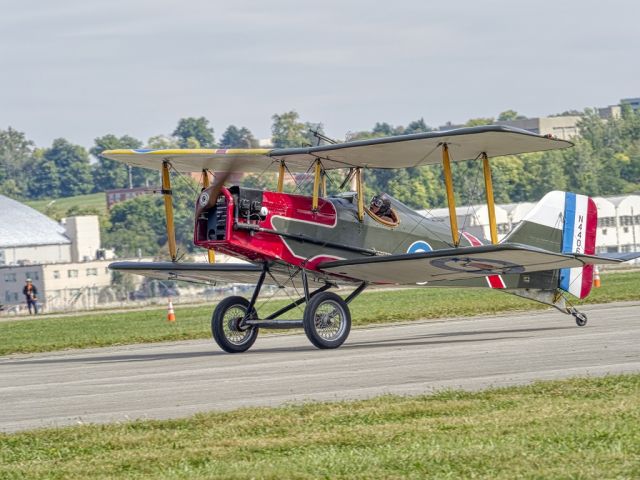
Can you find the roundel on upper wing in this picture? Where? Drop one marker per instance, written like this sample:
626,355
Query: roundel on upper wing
419,246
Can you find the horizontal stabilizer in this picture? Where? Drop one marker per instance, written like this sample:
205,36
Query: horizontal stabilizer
457,264
212,273
613,258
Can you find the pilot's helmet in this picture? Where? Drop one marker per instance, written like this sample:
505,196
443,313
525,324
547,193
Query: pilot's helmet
382,201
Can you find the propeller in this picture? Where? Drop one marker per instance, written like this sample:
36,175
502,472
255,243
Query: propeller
209,195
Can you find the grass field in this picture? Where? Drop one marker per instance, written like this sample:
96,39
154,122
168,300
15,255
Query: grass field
579,428
93,330
61,206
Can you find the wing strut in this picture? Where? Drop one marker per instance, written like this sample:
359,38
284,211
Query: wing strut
488,187
211,254
451,201
281,176
168,209
316,185
360,194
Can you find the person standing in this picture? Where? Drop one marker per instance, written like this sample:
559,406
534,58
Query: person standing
31,294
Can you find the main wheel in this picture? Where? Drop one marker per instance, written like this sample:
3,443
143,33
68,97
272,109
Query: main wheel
327,320
225,325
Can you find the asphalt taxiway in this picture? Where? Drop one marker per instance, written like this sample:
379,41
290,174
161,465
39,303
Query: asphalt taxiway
168,380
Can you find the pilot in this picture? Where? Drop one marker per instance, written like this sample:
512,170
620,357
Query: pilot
381,206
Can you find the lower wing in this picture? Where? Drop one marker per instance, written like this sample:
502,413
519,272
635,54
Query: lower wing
459,264
215,273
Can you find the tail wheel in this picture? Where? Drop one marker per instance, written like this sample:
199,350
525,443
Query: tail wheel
327,320
225,325
581,319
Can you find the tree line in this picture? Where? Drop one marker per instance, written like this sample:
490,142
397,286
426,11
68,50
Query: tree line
604,161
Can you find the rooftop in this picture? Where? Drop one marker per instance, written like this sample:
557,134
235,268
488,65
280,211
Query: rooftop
22,226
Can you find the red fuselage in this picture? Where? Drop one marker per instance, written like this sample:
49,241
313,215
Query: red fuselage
261,246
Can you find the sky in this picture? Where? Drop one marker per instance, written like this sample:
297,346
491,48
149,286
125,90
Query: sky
80,69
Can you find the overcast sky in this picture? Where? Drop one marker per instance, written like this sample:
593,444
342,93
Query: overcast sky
80,69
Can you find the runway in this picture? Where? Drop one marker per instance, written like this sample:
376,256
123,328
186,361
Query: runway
178,379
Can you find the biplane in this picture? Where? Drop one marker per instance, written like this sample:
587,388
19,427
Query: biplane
316,242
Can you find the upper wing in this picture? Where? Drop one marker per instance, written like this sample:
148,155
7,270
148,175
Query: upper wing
457,264
389,152
423,148
214,273
198,159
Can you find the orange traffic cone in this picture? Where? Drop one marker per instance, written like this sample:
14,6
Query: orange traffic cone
596,277
171,315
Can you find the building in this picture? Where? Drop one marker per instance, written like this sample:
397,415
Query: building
121,194
610,112
64,260
60,286
29,236
634,103
563,127
618,223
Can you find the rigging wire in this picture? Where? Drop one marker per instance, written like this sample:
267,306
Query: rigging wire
473,197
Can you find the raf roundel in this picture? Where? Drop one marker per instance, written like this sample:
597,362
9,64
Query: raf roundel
419,246
204,199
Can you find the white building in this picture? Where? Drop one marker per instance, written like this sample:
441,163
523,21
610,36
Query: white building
26,235
516,212
618,223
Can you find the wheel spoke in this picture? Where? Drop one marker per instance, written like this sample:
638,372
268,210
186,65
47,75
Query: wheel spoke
329,320
230,326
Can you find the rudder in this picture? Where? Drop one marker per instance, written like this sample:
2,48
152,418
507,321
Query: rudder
562,222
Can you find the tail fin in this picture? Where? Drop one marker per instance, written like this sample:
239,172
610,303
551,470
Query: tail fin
562,222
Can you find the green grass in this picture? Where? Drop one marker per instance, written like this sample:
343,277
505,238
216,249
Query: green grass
60,206
579,428
95,330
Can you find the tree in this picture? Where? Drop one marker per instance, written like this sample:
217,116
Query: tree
476,122
162,142
309,129
417,126
72,163
139,223
190,129
509,115
43,177
386,130
548,166
134,225
234,137
15,156
109,174
417,187
288,131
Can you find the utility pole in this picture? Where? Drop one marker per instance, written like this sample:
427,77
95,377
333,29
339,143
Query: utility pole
633,231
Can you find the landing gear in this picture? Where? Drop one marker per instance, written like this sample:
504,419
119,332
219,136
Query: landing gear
581,318
226,325
327,320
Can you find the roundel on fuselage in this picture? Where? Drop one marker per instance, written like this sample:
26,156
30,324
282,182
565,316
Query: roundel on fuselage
419,246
